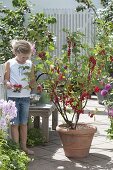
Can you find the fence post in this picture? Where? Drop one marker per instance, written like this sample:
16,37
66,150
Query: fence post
2,86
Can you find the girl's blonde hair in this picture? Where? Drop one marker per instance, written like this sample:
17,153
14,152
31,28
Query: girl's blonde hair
21,46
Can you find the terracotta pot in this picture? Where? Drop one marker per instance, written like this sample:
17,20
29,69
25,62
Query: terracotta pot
76,143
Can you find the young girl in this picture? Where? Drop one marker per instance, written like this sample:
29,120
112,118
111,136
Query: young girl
19,71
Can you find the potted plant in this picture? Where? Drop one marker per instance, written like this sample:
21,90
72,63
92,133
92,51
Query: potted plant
70,81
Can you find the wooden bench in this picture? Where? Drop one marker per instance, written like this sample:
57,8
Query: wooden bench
44,111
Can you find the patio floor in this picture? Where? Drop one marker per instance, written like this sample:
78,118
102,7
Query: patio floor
51,156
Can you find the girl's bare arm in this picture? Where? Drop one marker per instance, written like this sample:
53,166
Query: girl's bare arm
7,75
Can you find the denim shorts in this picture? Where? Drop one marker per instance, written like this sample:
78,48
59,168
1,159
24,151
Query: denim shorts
22,105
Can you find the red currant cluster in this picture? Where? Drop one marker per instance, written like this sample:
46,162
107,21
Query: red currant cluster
17,88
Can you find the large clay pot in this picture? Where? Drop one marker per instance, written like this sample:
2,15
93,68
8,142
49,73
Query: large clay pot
76,143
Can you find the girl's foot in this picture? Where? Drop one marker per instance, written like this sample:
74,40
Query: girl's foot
28,151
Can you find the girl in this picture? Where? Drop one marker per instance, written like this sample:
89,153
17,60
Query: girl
19,72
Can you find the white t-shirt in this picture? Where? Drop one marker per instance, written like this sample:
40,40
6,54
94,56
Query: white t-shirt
18,76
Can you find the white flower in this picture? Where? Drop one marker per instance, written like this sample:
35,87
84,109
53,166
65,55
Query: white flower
8,111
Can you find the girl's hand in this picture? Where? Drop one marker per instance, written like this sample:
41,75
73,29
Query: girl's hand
9,85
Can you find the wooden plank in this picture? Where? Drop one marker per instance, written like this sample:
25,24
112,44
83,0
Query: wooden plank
2,87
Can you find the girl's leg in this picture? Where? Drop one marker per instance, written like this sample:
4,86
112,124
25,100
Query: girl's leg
15,122
23,139
23,136
15,133
23,117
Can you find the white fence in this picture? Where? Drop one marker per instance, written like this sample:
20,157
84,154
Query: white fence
2,87
74,21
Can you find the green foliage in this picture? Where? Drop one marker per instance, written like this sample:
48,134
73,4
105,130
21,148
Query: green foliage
104,2
84,5
107,12
20,3
110,130
104,36
14,25
35,137
37,30
88,4
11,158
72,77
